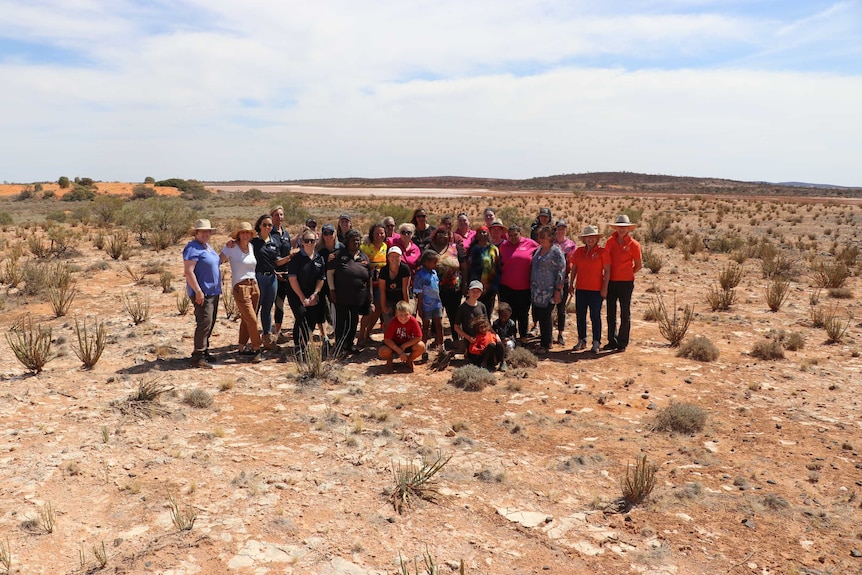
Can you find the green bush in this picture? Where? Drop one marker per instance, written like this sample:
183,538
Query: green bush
142,192
79,193
106,209
159,220
6,219
521,357
58,216
149,180
190,189
64,183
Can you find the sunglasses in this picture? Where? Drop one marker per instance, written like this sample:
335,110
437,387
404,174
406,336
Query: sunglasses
406,233
308,240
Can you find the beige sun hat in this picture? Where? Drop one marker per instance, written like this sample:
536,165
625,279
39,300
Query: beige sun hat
241,227
201,225
623,221
590,231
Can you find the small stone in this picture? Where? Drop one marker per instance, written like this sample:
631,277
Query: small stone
687,380
855,553
777,426
748,523
651,406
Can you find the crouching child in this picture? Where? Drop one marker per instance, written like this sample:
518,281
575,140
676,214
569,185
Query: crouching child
485,348
403,338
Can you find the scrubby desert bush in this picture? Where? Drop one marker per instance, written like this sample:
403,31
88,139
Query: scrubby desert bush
136,306
776,293
730,275
471,378
767,349
840,293
117,245
657,227
672,324
31,343
698,348
830,274
680,418
836,327
652,260
521,357
89,345
720,299
638,482
142,192
198,398
158,221
416,481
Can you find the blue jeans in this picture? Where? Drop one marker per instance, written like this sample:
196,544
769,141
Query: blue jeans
592,300
268,285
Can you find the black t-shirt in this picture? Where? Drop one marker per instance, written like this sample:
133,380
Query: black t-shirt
467,313
394,291
282,240
307,271
423,237
266,254
351,278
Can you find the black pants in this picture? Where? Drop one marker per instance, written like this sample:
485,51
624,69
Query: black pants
490,356
346,321
489,299
544,316
283,290
306,319
620,292
519,299
561,309
451,302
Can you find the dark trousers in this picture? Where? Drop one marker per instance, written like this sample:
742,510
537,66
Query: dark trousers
280,295
561,309
544,316
489,299
519,299
620,292
205,318
451,301
589,300
490,356
346,321
305,320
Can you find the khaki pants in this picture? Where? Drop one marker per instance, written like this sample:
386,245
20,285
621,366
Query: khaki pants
246,294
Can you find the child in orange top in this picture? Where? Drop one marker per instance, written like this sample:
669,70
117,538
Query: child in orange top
403,338
485,348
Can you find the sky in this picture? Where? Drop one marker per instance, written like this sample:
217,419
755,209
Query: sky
118,90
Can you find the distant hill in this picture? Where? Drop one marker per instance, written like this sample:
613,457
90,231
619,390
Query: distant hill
605,181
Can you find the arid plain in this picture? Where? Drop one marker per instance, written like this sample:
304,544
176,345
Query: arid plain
283,475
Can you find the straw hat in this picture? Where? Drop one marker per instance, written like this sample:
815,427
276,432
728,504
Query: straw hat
623,221
201,225
241,227
590,231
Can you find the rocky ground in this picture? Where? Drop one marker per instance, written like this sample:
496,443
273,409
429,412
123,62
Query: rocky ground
282,475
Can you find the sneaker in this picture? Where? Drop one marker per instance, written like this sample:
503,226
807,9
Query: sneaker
424,356
257,357
248,351
534,331
595,348
561,340
609,346
503,367
582,345
621,349
282,338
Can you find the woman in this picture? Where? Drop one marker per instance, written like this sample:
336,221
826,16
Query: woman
451,266
567,246
266,252
306,273
546,283
393,283
349,278
591,268
497,232
410,252
542,219
421,229
463,234
203,283
375,248
389,226
516,259
489,215
327,245
483,265
626,261
244,288
345,224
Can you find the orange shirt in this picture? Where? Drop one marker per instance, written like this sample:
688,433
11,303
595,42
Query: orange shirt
590,267
623,257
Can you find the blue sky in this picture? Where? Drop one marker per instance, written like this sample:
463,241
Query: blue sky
264,89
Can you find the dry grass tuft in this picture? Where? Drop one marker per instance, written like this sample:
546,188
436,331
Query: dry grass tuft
698,348
680,418
471,378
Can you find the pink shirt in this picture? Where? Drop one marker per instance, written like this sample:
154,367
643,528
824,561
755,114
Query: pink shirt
517,261
466,239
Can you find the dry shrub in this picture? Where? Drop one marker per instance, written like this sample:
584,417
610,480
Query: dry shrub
720,299
835,327
832,274
698,348
416,481
730,276
776,293
31,343
652,260
198,398
89,346
680,418
637,483
767,349
521,357
672,325
471,378
840,293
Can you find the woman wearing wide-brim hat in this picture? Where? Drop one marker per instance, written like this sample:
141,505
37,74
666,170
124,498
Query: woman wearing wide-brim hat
246,293
203,286
626,261
590,274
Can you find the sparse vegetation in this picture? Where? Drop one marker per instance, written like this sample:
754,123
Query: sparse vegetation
89,346
776,293
198,398
638,482
30,343
699,348
136,306
671,324
767,349
521,357
680,418
416,481
471,378
183,517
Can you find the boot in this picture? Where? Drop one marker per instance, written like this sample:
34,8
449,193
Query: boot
268,343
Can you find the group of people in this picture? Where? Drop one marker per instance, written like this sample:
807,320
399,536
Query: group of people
407,277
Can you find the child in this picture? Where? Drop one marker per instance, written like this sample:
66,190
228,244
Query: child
504,326
470,309
403,336
485,349
426,286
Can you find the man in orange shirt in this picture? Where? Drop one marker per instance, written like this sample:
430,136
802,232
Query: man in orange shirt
626,261
591,268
